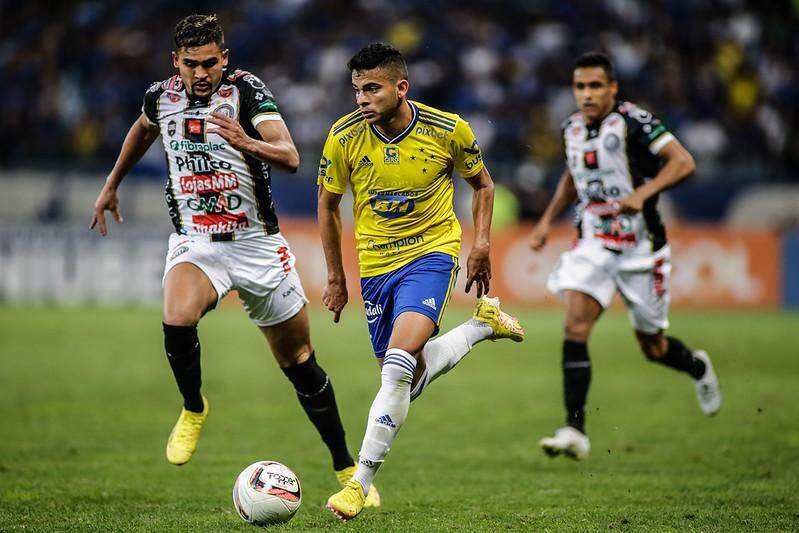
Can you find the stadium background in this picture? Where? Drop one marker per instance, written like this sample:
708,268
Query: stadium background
85,393
721,74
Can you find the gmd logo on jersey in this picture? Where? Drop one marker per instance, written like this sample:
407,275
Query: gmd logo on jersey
391,205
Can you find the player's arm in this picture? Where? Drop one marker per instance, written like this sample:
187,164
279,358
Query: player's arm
138,140
679,164
565,195
276,147
478,265
334,295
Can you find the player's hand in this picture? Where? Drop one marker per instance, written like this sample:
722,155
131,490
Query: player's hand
628,206
107,200
538,238
478,270
335,297
230,130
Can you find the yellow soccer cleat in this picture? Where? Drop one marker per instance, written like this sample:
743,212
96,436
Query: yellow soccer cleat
345,474
348,502
502,324
182,441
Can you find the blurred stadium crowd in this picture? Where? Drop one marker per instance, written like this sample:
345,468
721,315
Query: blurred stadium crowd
721,73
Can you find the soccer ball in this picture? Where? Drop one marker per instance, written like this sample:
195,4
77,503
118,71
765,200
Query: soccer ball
267,493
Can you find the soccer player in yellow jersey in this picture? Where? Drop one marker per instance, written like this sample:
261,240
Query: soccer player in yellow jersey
398,157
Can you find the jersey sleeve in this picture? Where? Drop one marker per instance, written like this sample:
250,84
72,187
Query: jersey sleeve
334,171
257,102
150,104
466,153
647,131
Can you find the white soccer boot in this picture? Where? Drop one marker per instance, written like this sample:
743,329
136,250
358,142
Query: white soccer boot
708,391
567,441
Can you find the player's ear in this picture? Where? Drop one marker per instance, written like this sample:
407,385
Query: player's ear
175,59
225,56
402,88
614,88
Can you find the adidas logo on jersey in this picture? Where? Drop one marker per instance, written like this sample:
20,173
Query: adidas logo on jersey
386,421
430,302
365,162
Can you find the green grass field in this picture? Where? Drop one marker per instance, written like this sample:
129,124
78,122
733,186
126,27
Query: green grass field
87,401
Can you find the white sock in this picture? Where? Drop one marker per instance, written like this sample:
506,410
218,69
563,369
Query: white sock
442,354
388,412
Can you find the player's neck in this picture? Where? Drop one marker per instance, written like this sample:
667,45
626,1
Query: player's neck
397,123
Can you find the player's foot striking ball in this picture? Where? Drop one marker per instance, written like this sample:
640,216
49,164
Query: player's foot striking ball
398,157
619,157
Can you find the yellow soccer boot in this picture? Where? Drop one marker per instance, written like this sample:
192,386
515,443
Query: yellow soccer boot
502,324
182,441
345,474
348,502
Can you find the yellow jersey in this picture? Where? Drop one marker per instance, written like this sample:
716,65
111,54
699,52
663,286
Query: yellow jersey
402,187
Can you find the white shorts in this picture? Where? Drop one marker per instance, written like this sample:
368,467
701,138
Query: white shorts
260,268
644,288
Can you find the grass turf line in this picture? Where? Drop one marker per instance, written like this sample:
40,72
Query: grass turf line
87,401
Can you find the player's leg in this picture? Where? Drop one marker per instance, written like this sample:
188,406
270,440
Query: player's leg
582,312
440,355
188,295
583,279
673,353
193,285
389,409
282,317
646,295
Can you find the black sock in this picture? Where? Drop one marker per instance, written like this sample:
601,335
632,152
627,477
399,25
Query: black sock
315,392
576,379
183,352
679,357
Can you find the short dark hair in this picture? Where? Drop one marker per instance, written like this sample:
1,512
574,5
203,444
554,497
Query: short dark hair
597,59
379,55
198,30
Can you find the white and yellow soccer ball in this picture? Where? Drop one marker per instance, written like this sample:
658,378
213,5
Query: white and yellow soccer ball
267,492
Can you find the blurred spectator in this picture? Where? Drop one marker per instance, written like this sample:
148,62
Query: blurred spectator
721,73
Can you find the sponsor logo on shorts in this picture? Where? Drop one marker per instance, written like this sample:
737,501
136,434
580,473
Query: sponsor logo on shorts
180,251
217,182
430,302
287,293
373,312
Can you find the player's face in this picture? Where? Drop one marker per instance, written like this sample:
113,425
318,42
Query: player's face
200,68
377,94
594,92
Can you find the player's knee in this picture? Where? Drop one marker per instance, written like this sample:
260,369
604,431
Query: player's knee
297,356
653,348
177,315
576,329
